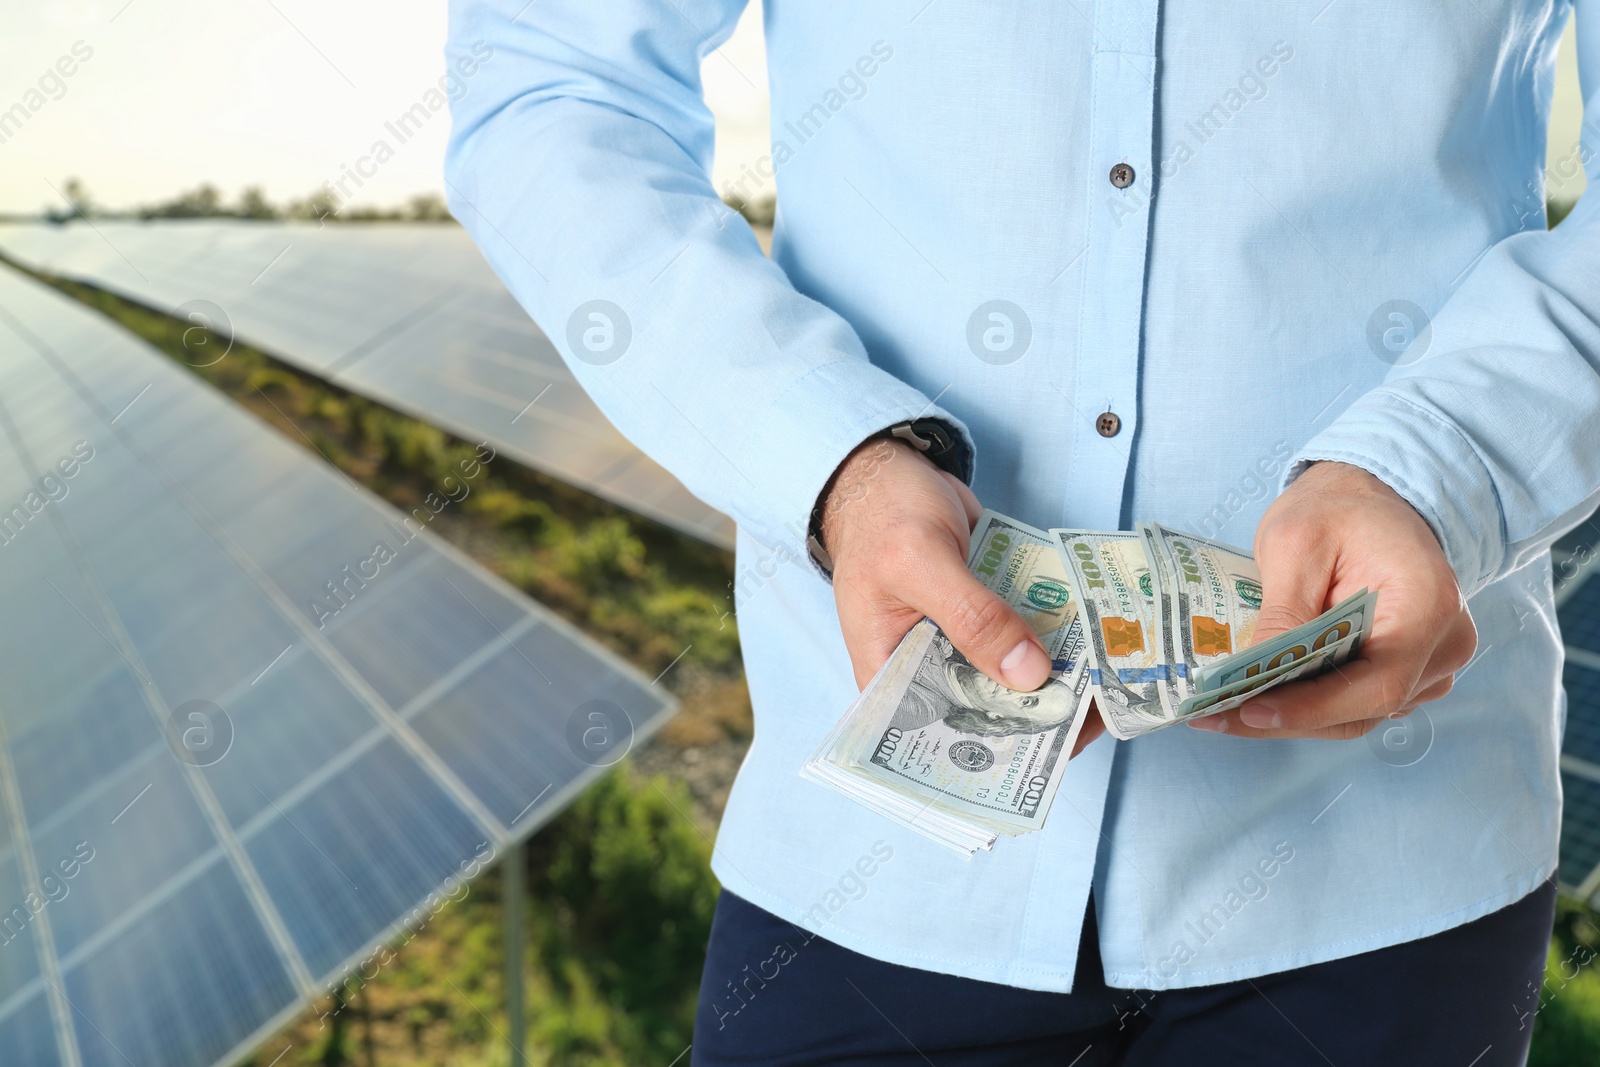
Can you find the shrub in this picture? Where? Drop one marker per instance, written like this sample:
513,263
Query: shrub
626,875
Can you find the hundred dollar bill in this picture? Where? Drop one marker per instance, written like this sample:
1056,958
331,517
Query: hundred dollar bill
993,754
1213,603
1235,693
1111,582
1153,625
1232,696
947,751
1350,619
1163,586
1021,564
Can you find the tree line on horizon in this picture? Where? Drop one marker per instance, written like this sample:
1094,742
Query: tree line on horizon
206,201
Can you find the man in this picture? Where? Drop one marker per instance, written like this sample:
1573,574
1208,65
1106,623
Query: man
1132,259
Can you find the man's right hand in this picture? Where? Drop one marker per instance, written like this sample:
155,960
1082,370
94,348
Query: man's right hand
898,528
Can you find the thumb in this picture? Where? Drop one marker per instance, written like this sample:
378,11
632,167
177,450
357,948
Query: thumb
982,626
1294,584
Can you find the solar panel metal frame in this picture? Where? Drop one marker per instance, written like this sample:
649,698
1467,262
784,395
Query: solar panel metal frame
103,345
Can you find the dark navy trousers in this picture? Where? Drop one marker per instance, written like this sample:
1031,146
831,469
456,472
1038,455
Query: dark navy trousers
774,994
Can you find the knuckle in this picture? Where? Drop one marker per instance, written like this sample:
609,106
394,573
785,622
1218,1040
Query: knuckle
1463,644
1360,728
1293,536
1391,695
1436,691
1446,604
1349,731
1279,615
975,618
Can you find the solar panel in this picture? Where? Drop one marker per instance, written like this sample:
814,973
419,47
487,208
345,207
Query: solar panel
408,314
1583,538
1583,711
216,795
1580,832
1579,612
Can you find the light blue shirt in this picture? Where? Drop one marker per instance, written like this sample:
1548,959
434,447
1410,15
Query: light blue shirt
1333,247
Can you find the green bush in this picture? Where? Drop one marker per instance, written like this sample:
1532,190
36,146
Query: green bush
513,512
626,879
1566,1030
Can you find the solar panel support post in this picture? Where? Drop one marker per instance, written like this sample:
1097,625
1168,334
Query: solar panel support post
513,889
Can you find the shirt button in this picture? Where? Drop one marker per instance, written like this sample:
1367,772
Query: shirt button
1108,424
1122,175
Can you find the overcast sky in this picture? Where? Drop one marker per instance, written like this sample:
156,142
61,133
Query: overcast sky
285,93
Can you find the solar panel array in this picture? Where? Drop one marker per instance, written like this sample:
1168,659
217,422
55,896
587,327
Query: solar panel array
239,743
1578,610
407,314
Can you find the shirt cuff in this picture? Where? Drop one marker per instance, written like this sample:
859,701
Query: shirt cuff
809,430
954,458
1424,458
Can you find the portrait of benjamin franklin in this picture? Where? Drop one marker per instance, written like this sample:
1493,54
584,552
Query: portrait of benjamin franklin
948,687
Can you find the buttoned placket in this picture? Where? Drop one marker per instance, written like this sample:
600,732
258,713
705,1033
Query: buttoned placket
1119,174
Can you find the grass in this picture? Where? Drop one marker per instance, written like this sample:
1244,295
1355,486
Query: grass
1566,1020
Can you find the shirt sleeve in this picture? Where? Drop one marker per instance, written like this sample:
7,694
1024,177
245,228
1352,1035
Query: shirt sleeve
1493,433
579,160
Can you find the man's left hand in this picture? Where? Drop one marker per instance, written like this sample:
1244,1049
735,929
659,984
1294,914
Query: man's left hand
1336,531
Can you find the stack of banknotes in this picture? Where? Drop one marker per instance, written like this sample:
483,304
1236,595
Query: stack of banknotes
1155,627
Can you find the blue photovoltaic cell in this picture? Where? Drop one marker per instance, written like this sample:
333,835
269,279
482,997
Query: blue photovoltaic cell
432,613
154,910
503,758
326,858
28,1033
1583,538
19,963
408,314
1580,829
271,717
1580,613
186,983
1583,713
133,859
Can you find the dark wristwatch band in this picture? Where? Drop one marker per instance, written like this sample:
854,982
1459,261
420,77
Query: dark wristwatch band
934,438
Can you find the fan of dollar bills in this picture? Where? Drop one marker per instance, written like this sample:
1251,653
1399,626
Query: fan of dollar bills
1154,626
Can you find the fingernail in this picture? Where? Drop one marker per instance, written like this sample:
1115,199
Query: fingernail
1261,716
1025,667
1210,723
